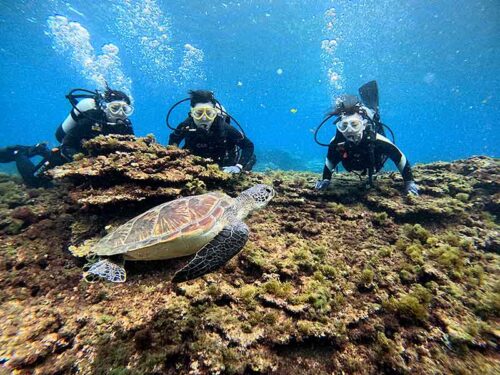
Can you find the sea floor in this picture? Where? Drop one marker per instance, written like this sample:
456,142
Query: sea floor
352,280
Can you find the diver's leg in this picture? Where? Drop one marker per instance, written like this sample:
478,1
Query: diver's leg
10,153
6,155
27,171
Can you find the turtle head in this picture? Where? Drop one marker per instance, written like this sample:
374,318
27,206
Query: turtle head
258,196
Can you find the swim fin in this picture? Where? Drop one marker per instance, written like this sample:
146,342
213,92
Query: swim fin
369,95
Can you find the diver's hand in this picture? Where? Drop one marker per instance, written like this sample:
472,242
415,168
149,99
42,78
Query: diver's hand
411,188
322,184
120,122
232,169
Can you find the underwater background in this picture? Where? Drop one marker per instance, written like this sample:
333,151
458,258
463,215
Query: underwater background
348,280
275,65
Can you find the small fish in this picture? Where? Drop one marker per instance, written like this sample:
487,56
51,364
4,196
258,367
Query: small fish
293,110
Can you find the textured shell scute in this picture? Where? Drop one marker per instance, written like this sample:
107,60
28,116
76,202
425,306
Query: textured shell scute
166,222
142,227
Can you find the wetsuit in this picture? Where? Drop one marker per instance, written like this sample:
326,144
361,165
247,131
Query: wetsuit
86,125
21,155
356,157
220,143
89,125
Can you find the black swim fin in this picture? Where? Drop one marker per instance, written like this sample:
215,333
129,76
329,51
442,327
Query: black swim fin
369,95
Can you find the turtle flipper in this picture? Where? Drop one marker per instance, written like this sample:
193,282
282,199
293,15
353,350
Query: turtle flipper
216,253
108,270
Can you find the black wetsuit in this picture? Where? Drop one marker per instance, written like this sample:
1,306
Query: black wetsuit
220,143
21,156
71,143
89,125
356,157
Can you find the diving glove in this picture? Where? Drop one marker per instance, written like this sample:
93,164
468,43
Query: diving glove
232,169
411,188
322,184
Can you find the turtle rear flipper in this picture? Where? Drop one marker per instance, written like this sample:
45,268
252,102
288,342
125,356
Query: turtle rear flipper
216,253
108,270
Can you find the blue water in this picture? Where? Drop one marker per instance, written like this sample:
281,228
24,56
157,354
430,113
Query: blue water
437,64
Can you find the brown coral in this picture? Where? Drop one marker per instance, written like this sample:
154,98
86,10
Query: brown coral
124,169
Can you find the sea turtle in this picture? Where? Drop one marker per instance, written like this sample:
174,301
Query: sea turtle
209,225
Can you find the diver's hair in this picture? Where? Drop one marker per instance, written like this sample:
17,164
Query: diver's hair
346,105
201,96
111,95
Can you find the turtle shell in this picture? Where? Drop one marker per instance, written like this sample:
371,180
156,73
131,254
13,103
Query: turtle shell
185,222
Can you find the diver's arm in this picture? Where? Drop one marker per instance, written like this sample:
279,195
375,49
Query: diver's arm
245,144
333,158
398,158
68,149
178,135
72,141
124,127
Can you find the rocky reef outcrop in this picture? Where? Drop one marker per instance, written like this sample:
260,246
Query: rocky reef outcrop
352,280
123,169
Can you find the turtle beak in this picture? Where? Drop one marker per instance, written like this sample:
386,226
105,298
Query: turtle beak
269,194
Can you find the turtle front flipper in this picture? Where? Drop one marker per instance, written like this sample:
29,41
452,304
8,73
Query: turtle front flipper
108,270
216,253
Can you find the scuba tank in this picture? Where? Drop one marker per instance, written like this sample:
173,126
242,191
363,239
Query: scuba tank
70,122
89,101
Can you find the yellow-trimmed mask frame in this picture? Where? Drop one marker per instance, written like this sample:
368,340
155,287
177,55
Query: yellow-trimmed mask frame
199,112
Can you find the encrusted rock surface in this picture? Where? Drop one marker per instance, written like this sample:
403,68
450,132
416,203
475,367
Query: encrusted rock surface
123,169
349,281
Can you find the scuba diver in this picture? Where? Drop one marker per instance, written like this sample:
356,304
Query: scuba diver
207,132
95,114
360,142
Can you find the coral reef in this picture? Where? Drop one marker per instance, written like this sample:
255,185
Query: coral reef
350,280
124,169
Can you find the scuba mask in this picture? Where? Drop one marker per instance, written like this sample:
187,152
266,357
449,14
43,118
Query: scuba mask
118,110
203,115
352,127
